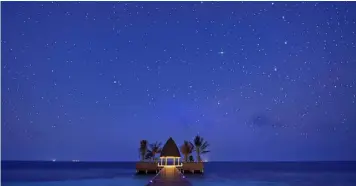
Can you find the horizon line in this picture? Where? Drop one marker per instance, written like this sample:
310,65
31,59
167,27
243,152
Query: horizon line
239,161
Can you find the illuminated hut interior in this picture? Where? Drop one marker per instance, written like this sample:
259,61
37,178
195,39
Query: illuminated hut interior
170,155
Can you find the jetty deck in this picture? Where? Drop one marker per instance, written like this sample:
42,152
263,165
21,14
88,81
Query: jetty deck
169,176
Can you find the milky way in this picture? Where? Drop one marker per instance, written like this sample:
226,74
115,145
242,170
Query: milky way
258,80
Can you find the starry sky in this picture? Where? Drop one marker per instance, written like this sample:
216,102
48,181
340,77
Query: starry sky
260,81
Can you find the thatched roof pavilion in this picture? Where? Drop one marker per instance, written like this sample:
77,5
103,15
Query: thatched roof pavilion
170,151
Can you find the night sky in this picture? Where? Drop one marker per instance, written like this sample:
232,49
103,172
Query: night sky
258,80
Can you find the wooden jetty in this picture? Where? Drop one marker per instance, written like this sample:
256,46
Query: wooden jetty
170,156
192,168
169,176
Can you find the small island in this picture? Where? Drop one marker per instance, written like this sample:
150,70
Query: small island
170,156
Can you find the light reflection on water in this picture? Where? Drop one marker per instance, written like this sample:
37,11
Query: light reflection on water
137,182
207,180
215,175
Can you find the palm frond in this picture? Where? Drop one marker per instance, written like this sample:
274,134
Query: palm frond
197,140
205,145
191,147
148,155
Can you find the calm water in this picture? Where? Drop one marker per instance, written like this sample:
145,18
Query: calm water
216,174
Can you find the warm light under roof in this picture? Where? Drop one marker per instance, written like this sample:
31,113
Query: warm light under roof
170,157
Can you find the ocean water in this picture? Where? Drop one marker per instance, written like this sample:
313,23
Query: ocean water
216,174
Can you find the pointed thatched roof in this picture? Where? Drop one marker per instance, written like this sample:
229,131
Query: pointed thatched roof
170,149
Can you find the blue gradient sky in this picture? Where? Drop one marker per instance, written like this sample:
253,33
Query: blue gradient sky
258,80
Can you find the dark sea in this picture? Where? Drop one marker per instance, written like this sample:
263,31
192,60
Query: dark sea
216,174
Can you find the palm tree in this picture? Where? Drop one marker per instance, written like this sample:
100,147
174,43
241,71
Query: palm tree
143,149
155,148
148,155
187,148
200,146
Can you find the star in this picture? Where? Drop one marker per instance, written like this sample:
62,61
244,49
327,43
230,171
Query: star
275,73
